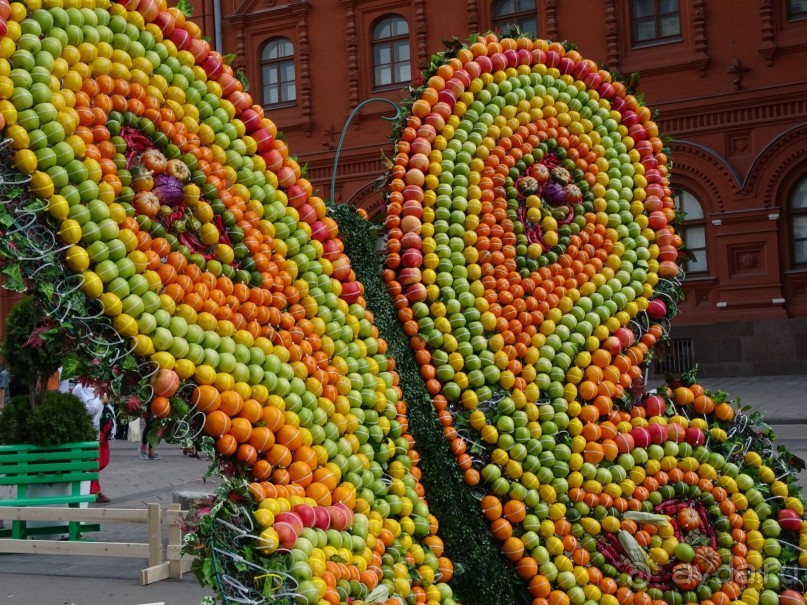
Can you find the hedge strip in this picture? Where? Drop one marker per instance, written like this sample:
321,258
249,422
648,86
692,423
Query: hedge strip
482,576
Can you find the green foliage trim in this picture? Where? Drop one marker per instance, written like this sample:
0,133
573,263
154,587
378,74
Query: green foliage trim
481,576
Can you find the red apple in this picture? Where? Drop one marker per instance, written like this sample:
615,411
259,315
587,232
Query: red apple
351,291
524,56
323,519
286,534
416,293
789,520
655,405
695,436
612,345
485,63
348,513
658,433
306,514
338,518
292,519
641,436
656,309
626,337
624,443
411,258
675,432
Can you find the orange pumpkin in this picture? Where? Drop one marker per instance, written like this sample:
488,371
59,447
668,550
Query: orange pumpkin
686,576
688,519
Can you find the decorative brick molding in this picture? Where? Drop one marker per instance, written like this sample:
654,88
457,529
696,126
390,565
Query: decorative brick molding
707,168
699,35
352,47
551,19
421,50
473,16
677,122
300,10
783,153
612,34
768,47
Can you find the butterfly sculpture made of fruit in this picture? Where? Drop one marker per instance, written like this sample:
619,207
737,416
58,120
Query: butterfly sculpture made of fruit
163,223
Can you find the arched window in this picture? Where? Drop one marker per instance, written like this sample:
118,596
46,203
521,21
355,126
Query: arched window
693,232
391,54
655,21
277,69
515,13
798,223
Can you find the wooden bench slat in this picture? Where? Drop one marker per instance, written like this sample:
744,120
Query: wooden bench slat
45,458
40,479
27,447
23,468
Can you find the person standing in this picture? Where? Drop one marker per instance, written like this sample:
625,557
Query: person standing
95,408
107,429
146,449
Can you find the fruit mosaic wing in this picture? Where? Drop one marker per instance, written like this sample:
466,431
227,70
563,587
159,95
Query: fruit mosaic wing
164,225
534,265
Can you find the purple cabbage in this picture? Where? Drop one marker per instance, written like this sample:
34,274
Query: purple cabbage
169,190
553,194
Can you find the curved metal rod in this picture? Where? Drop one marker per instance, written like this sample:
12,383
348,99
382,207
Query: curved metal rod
398,113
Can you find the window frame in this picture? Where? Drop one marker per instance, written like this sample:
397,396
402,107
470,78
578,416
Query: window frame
790,16
693,223
792,213
510,19
657,40
390,43
277,64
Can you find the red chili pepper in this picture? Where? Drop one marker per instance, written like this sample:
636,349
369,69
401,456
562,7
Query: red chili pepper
222,231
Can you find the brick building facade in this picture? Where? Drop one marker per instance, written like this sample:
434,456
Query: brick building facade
728,78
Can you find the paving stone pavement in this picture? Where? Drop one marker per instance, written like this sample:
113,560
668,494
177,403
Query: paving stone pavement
133,483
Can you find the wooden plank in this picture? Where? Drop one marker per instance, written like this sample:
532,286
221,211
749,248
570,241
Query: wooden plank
56,529
43,501
155,541
174,539
95,515
175,515
153,574
92,549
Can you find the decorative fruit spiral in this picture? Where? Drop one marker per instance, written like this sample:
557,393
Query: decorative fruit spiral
533,261
193,234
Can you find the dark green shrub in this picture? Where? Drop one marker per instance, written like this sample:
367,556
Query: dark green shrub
34,347
14,420
60,418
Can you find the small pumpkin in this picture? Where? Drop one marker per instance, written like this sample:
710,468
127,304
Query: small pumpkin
688,519
707,559
686,576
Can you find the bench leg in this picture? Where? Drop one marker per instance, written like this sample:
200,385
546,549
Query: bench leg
75,531
18,530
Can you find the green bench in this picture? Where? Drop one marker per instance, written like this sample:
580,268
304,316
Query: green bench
65,466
